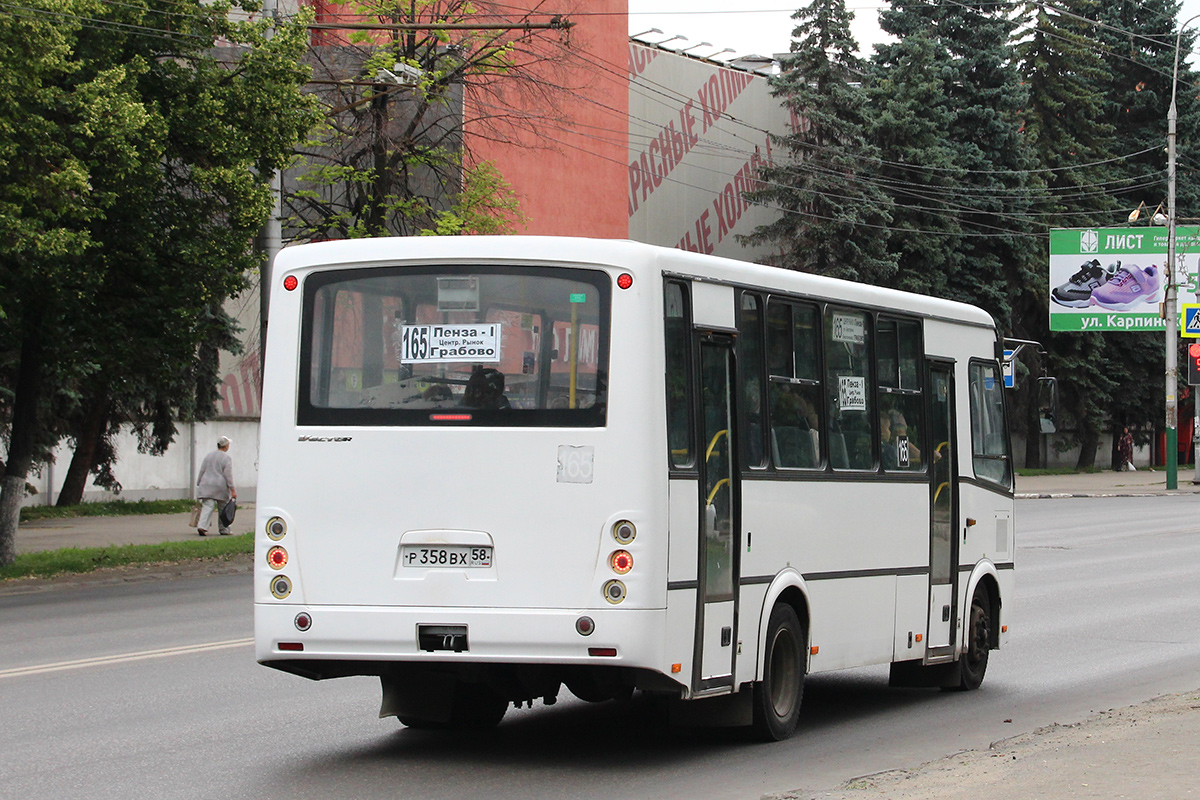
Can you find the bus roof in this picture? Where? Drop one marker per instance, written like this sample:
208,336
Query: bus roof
623,253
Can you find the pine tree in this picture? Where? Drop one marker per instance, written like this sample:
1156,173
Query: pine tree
909,120
833,217
1068,126
1138,40
978,99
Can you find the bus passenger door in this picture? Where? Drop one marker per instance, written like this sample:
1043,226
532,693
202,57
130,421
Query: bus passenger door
716,613
943,500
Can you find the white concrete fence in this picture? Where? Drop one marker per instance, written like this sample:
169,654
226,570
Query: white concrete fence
171,476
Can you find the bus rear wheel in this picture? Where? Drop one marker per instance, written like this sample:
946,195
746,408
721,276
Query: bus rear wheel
777,696
473,706
973,663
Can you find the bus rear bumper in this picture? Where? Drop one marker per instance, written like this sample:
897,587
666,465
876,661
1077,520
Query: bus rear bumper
375,638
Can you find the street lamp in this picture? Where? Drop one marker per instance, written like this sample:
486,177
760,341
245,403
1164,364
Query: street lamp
670,39
1172,357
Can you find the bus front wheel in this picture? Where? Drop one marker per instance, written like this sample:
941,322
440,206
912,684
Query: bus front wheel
777,696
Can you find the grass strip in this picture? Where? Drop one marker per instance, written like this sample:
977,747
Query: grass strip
108,508
47,563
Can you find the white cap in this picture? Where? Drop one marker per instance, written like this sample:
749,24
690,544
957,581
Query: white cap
224,442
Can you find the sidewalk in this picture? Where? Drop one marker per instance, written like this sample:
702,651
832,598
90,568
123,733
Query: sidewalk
52,534
1107,484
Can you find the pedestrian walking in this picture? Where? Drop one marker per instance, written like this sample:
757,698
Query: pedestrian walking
215,486
1125,451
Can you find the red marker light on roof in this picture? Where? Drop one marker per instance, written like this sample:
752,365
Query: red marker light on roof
625,280
290,283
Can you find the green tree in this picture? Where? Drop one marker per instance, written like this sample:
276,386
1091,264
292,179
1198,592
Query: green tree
390,158
485,206
959,57
832,214
910,117
131,209
1069,126
1138,43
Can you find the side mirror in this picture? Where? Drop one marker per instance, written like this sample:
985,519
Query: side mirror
1048,404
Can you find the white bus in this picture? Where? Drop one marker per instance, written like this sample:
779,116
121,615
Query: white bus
491,467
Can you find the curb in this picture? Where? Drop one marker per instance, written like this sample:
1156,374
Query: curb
1061,495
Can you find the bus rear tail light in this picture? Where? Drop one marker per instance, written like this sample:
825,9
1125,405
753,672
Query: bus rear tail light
290,283
624,532
614,592
624,280
297,646
281,586
303,621
621,561
277,557
584,626
606,652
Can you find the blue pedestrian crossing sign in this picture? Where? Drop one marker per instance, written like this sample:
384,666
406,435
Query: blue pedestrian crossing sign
1190,321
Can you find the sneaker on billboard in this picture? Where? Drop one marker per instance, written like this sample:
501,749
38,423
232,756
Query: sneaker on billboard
1077,292
1131,286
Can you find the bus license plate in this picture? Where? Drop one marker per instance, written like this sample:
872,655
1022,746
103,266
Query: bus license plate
454,556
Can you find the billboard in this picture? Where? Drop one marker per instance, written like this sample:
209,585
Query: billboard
698,133
1114,279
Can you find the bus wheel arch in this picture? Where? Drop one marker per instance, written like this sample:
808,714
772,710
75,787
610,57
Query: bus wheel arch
787,588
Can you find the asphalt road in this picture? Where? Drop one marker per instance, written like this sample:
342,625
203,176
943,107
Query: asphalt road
150,690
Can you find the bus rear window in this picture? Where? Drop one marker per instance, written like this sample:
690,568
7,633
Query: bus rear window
510,346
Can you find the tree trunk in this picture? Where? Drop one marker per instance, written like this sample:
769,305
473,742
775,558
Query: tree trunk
22,438
87,437
1088,444
11,491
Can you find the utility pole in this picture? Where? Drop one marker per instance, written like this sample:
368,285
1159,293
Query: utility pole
270,236
1172,355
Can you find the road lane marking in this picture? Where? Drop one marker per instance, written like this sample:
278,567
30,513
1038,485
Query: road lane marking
123,658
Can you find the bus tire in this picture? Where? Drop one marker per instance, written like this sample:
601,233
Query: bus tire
973,663
777,696
476,707
473,706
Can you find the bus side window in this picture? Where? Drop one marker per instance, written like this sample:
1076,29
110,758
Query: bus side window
901,407
848,385
989,433
750,372
794,385
677,333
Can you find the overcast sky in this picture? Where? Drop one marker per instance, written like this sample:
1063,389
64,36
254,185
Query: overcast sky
763,27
